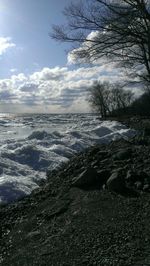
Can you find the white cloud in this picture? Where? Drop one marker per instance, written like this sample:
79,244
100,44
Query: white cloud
85,47
46,74
13,70
5,43
54,90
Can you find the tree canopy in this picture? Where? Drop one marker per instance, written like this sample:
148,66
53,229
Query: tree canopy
112,29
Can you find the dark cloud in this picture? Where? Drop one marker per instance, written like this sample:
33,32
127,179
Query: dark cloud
6,95
28,87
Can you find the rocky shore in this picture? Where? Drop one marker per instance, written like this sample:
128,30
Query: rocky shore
94,210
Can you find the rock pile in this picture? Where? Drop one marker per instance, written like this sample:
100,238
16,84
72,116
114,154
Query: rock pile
121,166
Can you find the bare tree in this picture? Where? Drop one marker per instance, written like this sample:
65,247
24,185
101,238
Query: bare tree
99,98
107,99
120,98
118,30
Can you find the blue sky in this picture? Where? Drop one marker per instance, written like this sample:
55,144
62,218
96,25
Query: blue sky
34,72
28,23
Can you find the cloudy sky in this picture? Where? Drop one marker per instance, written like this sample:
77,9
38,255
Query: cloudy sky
36,75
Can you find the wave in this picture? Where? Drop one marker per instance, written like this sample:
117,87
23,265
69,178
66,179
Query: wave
25,158
39,135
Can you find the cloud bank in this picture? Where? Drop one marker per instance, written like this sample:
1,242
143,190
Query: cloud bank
54,90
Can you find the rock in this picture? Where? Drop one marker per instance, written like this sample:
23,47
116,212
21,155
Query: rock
122,154
94,150
137,179
147,179
59,207
146,187
116,182
105,161
33,234
102,154
87,178
94,163
104,187
103,176
132,177
138,185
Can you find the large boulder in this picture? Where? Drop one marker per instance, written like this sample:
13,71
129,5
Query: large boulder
116,182
88,177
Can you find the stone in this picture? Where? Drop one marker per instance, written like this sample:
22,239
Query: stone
116,182
87,178
102,154
123,154
138,185
103,176
146,187
131,177
33,234
94,163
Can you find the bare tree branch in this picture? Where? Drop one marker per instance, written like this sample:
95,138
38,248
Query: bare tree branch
121,32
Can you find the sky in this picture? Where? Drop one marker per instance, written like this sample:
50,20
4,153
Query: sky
36,74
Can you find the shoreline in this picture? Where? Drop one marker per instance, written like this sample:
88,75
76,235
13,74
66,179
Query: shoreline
74,209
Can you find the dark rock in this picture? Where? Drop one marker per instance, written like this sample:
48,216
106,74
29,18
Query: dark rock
116,182
122,154
142,141
104,187
93,150
105,161
142,175
57,209
132,177
34,234
138,185
103,176
102,154
94,163
147,179
137,180
146,187
87,178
